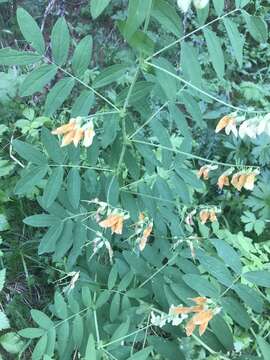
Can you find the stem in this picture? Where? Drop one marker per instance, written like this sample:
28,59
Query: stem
193,156
191,33
84,84
204,92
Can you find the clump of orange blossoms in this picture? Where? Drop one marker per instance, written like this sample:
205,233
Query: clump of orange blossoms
114,222
143,230
73,132
208,215
203,314
244,179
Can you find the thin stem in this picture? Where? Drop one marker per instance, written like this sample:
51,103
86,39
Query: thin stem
148,121
191,33
204,92
84,84
193,156
80,167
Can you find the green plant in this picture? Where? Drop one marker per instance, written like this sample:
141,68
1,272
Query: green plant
124,222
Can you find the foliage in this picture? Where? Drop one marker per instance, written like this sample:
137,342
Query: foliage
112,224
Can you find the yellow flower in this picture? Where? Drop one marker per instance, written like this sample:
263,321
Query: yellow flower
115,222
204,216
204,171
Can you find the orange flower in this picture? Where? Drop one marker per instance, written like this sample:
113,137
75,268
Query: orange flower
250,180
73,132
204,172
223,180
204,216
238,180
145,236
212,215
202,319
177,310
228,122
115,222
199,300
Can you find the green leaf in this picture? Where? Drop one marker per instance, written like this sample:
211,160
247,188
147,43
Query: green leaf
58,94
29,152
215,52
170,350
236,40
121,331
52,146
190,64
264,347
30,30
141,90
2,278
60,40
62,337
241,3
90,352
115,307
257,28
40,348
60,306
30,179
219,6
37,79
77,330
249,296
110,128
65,241
41,319
201,285
222,332
83,104
41,220
53,186
82,55
228,255
14,57
167,82
142,354
79,240
48,242
216,268
4,322
12,343
260,278
97,7
31,333
236,311
137,10
109,75
74,187
112,277
166,15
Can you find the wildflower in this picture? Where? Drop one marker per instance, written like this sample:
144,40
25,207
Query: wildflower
184,5
249,128
202,319
208,214
200,4
223,179
115,222
145,236
228,122
244,180
89,134
204,171
204,216
74,133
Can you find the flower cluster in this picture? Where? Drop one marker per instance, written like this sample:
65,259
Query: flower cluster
184,5
205,214
242,179
203,311
251,127
73,132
